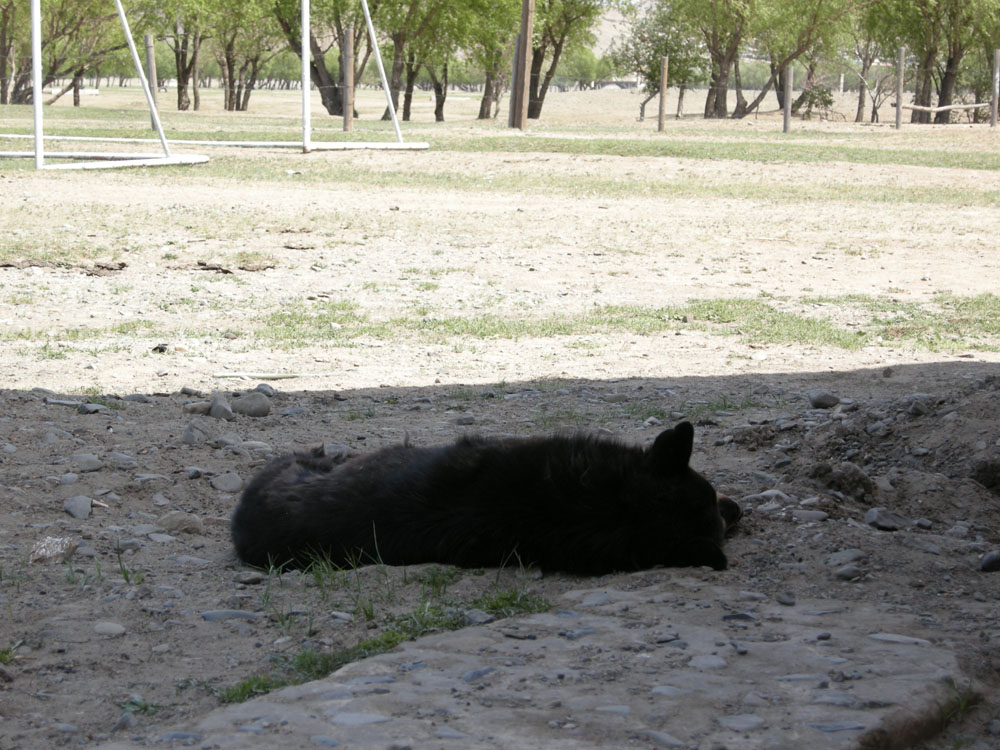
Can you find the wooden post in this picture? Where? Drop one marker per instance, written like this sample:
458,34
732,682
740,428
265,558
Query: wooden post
787,120
664,65
996,88
348,94
151,73
522,81
899,87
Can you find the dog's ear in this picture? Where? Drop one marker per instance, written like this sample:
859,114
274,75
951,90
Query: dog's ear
671,451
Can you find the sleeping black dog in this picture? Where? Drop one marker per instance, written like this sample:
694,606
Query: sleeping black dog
579,504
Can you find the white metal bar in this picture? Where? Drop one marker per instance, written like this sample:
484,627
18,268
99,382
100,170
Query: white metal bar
306,57
36,80
142,78
381,70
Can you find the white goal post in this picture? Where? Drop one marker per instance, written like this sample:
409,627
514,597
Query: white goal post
96,160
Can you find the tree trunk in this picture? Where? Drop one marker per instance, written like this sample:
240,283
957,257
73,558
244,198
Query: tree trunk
412,68
923,87
539,85
862,90
809,83
948,81
329,91
741,102
77,85
486,103
195,84
440,91
6,45
396,80
680,101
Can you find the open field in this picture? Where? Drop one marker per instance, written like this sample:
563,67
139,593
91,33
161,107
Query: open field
589,273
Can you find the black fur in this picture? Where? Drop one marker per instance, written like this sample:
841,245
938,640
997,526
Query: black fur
585,505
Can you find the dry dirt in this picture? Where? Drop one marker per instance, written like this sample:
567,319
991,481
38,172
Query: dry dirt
921,429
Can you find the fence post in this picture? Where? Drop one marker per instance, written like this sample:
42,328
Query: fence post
663,92
348,98
151,74
787,120
520,93
899,88
996,88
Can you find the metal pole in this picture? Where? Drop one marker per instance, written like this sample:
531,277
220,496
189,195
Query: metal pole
787,118
36,80
899,87
664,66
348,75
142,78
151,70
381,70
306,57
996,88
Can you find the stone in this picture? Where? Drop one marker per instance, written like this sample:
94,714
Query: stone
846,556
661,739
78,507
809,516
177,521
905,640
122,461
848,572
228,482
707,661
354,719
267,390
91,409
252,404
109,629
218,615
741,722
822,399
990,562
87,462
785,598
219,408
197,432
885,520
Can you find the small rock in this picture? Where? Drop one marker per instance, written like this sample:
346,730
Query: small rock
138,398
177,521
252,404
91,408
990,562
707,661
122,461
220,408
886,520
228,482
465,420
904,640
218,615
193,472
846,556
197,407
822,399
786,598
110,629
741,722
87,462
249,577
478,617
78,507
847,572
197,432
266,390
808,516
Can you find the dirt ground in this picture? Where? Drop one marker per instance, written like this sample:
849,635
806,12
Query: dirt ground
115,643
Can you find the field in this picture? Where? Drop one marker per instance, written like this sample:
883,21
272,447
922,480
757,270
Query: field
589,273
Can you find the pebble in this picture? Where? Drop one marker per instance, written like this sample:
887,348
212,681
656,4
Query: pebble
220,408
808,516
846,556
847,572
91,409
836,726
197,407
78,507
822,399
741,722
886,520
905,640
464,420
228,482
707,661
87,462
267,390
252,404
137,398
197,432
155,536
180,522
353,719
122,461
990,562
662,738
218,615
110,629
786,598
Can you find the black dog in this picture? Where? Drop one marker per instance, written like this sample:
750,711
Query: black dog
585,505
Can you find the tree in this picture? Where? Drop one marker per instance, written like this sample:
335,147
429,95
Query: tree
490,46
661,32
407,22
330,20
246,36
558,23
13,25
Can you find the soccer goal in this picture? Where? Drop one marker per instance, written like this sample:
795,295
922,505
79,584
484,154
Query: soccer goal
102,160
